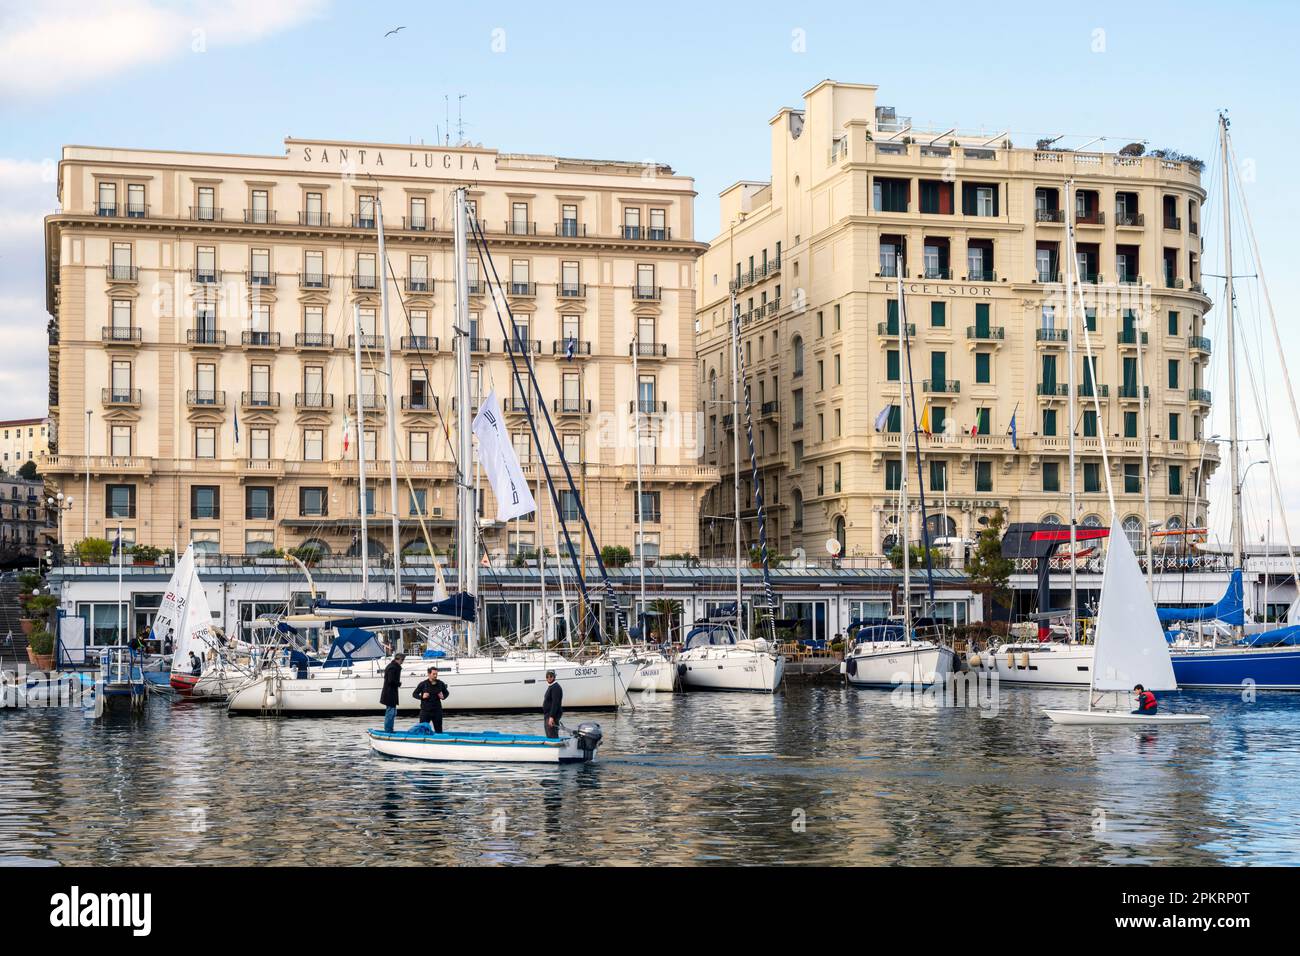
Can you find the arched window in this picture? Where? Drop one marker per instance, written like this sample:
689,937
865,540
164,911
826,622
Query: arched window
797,347
415,546
317,545
1175,523
841,534
1091,521
889,543
713,385
941,526
1051,519
1133,531
375,549
798,510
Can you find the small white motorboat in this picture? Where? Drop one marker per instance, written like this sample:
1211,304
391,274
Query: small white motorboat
489,746
1118,717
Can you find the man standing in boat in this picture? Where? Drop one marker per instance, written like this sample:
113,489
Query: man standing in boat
431,693
552,705
392,684
1146,701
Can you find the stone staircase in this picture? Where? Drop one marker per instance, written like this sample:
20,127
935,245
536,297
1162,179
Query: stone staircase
12,649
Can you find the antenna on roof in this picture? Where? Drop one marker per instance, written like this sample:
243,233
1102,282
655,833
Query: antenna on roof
460,119
446,109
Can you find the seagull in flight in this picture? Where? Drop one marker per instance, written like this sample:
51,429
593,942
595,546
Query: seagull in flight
394,30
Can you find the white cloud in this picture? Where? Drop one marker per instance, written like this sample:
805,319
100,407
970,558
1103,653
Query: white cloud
58,45
26,197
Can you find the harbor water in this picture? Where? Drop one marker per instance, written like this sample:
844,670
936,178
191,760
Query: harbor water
816,774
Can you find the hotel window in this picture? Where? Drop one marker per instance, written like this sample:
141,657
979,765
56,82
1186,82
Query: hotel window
207,203
370,500
938,314
519,271
420,389
890,195
1090,423
259,503
261,211
205,442
119,501
1091,477
982,419
645,331
259,542
121,390
658,224
645,280
519,218
205,501
205,264
259,444
259,324
121,319
314,269
419,215
893,475
259,385
419,274
314,215
206,542
891,365
522,442
1049,422
367,316
631,222
205,383
366,271
568,505
1132,479
313,444
570,328
472,275
1173,323
647,543
569,220
372,444
572,391
121,264
571,447
261,265
311,502
1173,373
107,199
417,499
796,454
979,199
313,322
1051,476
1130,424
570,279
420,326
1175,479
365,211
889,254
984,476
983,368
1174,421
120,441
938,475
135,200
418,446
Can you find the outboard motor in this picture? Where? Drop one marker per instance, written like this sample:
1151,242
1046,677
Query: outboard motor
588,736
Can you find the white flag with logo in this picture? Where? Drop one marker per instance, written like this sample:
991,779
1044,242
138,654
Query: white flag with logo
497,457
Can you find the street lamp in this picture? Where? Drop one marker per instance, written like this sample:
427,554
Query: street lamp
62,504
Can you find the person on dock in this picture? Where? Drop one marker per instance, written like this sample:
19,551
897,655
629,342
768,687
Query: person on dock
552,705
431,692
1146,701
388,696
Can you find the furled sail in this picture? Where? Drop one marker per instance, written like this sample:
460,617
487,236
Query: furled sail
1230,609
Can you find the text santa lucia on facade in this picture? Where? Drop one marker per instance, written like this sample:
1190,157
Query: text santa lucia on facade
355,157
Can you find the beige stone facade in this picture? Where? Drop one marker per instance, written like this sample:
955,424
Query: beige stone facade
23,440
981,228
194,291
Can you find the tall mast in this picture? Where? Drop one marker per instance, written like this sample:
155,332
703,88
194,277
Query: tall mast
640,518
361,455
1145,429
735,448
1070,403
467,528
392,405
1229,304
904,374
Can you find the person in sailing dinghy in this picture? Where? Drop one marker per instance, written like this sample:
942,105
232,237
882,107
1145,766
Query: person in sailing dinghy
431,693
1146,701
552,705
392,684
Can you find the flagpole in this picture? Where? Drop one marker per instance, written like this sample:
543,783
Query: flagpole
361,455
392,405
120,551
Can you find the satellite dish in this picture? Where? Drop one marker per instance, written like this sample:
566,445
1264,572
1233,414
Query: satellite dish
832,546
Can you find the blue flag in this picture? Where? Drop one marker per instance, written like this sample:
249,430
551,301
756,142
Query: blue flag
570,347
236,424
1014,446
117,544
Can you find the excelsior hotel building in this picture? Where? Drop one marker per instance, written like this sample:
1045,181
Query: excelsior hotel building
202,370
979,226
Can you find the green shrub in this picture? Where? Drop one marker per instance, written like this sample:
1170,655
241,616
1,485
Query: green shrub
615,556
41,641
144,552
94,550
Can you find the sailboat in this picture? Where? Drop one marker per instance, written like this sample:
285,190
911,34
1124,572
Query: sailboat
719,653
887,655
1130,645
186,617
476,681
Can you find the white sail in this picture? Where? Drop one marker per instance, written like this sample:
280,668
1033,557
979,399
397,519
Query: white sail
170,619
1131,647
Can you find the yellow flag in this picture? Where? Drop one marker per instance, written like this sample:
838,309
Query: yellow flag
925,418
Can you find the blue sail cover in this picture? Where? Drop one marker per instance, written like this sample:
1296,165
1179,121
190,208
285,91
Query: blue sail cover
459,605
353,644
1282,637
1230,609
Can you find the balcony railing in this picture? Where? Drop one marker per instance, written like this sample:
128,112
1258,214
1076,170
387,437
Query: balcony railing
112,333
254,277
364,281
1173,282
480,345
360,221
205,336
475,287
648,349
521,345
418,285
1199,395
1093,390
571,290
1051,335
121,396
647,406
419,403
520,228
1093,218
890,329
1173,222
1130,337
522,288
120,273
1048,276
1053,390
994,333
1129,280
769,408
1130,219
1131,391
419,343
313,280
572,406
419,224
646,293
313,218
255,338
313,400
941,386
367,341
1049,215
517,405
570,229
203,398
205,214
259,216
368,402
566,347
313,340
936,273
259,399
205,276
982,275
1198,342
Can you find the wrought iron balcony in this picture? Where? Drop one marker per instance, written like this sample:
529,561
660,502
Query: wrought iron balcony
204,336
994,333
419,403
1131,391
259,216
571,290
369,402
936,273
313,280
418,285
518,345
259,399
646,293
941,386
205,214
367,341
648,349
205,276
120,273
121,396
313,400
1094,390
890,329
523,288
364,281
571,229
254,277
572,406
419,224
1053,390
419,343
1135,219
1173,222
647,406
313,340
316,217
1130,337
520,228
982,275
1090,218
1049,215
480,345
204,398
1051,335
121,335
255,338
360,221
1200,396
562,347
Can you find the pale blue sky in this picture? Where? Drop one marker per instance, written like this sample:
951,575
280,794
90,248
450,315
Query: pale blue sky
689,84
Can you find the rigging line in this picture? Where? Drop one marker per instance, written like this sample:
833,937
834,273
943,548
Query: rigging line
916,435
497,301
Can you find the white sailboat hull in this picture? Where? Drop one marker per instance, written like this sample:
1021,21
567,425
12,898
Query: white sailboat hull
728,667
1040,665
487,747
1115,717
473,684
654,672
892,663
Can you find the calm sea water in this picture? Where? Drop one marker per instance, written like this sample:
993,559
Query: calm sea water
815,774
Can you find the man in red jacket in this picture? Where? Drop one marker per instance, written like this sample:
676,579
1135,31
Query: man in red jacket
1146,701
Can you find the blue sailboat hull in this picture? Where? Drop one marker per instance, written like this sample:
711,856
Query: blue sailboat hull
1274,668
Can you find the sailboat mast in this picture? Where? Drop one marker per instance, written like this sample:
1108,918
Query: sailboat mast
735,448
467,528
904,372
361,455
392,405
640,501
1229,304
1070,407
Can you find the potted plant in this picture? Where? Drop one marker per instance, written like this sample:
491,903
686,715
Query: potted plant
40,649
94,551
307,554
145,555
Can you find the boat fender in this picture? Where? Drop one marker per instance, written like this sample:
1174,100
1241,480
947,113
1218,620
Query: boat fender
974,661
1024,660
1011,661
851,666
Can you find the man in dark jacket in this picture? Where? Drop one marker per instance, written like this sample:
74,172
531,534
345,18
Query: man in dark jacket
552,705
431,693
388,696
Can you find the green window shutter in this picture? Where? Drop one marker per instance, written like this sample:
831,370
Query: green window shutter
983,476
982,368
1173,323
891,365
938,367
895,422
1173,427
891,317
938,417
982,318
938,313
1130,424
1090,424
982,420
